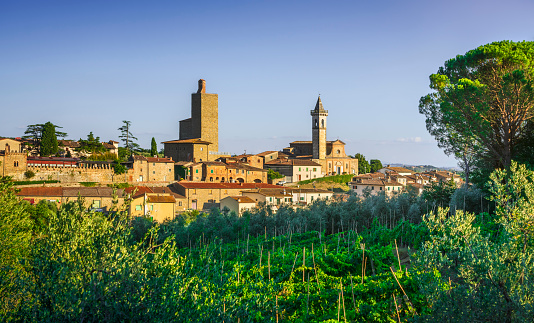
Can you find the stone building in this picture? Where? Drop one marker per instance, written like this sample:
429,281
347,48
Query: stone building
99,198
150,169
198,135
13,164
296,170
329,154
204,196
219,172
11,145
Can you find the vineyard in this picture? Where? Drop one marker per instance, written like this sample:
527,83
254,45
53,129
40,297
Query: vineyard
363,260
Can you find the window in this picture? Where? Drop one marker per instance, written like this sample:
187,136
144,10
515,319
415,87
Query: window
201,148
380,187
372,188
302,198
355,187
196,171
138,208
96,204
312,197
322,123
314,169
194,191
153,172
299,169
152,208
170,170
212,171
210,191
153,164
270,199
180,203
389,188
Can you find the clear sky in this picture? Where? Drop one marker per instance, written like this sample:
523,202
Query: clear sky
88,65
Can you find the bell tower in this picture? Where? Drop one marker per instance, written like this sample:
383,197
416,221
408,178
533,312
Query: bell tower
319,115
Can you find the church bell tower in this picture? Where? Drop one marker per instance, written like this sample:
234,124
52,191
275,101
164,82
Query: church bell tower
319,115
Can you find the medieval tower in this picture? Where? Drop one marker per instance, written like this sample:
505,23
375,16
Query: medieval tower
204,121
319,115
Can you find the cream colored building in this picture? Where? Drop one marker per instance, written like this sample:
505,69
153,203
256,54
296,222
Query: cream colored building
238,204
296,170
159,207
375,186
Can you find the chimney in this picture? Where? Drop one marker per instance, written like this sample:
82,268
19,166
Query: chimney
201,86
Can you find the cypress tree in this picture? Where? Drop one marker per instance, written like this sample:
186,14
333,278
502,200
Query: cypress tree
49,144
153,148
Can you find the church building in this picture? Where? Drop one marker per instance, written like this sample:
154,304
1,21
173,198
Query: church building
329,154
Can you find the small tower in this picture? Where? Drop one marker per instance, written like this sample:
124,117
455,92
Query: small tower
319,115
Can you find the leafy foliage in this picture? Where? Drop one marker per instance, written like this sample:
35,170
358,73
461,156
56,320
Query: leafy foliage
153,148
272,174
127,137
375,165
49,145
482,101
363,164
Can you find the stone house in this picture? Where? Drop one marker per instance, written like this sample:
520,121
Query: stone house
204,195
375,186
99,198
237,204
273,198
159,207
296,170
180,201
150,169
398,170
11,145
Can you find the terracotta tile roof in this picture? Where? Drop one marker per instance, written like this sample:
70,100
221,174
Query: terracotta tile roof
188,141
139,190
293,162
243,199
245,167
265,153
69,191
161,199
400,169
108,145
377,182
41,191
90,191
270,192
245,186
69,143
167,190
153,159
213,163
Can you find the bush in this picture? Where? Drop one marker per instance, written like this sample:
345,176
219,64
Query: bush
88,184
29,174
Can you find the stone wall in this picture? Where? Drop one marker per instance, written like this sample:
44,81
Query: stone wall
76,174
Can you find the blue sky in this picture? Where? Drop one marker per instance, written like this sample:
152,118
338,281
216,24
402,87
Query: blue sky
89,65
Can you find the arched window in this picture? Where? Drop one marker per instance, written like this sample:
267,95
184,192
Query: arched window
322,123
316,123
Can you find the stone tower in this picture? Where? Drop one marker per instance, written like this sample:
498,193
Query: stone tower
319,115
204,121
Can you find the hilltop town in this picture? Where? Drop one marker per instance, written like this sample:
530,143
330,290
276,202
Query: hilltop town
191,173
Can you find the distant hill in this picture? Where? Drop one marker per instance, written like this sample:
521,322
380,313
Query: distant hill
422,168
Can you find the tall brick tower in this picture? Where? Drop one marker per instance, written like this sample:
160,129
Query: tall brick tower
319,115
204,121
